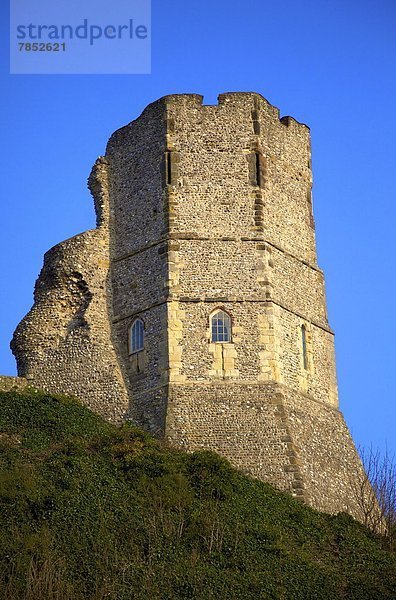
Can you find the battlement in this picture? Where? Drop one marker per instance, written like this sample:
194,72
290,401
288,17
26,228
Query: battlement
231,100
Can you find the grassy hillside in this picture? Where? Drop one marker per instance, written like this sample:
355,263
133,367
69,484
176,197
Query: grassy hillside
89,511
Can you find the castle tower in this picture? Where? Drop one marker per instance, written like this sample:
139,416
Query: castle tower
198,301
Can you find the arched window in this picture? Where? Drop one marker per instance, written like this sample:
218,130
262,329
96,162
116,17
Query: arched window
304,346
136,336
220,327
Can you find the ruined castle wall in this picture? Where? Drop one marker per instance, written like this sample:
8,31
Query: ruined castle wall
202,208
65,343
13,384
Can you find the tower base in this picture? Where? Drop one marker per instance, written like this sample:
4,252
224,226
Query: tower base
273,433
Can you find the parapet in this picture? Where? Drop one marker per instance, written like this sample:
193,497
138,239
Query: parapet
248,104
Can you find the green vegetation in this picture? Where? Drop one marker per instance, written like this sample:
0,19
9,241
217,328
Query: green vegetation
90,511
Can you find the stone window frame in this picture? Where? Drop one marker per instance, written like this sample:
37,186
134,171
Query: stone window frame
257,167
135,321
168,167
305,346
220,309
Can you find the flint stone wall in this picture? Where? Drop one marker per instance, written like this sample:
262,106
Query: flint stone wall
286,438
201,208
65,343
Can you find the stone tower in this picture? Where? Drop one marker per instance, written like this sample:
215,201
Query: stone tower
197,307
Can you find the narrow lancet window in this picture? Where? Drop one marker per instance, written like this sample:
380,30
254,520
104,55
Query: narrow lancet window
136,336
220,327
304,346
168,168
258,177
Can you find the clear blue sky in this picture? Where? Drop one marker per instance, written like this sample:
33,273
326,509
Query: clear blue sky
330,64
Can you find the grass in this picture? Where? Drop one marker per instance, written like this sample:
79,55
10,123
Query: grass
90,511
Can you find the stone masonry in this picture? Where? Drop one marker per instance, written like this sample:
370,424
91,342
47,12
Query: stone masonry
202,209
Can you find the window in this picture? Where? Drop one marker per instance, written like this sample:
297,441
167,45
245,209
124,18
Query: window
136,336
220,323
168,168
257,166
304,346
256,169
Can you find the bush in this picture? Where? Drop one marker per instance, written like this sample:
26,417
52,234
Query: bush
91,511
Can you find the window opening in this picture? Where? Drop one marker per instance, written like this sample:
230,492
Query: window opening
220,327
136,336
304,346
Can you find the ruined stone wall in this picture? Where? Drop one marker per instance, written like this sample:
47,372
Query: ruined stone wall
65,343
11,384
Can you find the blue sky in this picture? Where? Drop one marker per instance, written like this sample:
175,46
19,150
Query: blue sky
328,64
